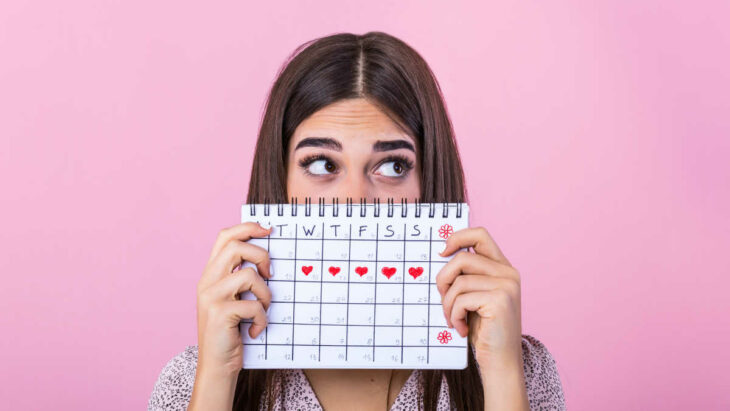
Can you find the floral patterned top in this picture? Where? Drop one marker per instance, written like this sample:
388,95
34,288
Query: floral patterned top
174,386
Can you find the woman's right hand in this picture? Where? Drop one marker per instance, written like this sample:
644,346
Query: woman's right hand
219,311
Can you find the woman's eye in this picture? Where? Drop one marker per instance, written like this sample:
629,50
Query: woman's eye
321,167
392,169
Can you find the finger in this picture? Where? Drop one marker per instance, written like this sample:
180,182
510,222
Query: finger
464,303
240,232
477,237
238,282
233,312
485,303
471,263
233,255
467,283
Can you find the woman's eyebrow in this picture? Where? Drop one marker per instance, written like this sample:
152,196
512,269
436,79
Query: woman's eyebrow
392,145
324,142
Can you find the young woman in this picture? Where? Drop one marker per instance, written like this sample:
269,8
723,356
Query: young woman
360,116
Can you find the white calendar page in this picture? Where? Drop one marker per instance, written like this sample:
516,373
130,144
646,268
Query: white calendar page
355,291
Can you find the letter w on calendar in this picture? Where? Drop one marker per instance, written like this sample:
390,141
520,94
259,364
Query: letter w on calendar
354,286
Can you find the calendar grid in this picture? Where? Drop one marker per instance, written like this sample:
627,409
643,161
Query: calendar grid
371,318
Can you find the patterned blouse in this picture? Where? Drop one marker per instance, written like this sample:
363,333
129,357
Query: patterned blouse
174,386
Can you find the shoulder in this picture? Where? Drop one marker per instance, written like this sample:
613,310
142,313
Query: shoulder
174,385
544,388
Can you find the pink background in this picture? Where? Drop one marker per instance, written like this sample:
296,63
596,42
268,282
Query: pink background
593,138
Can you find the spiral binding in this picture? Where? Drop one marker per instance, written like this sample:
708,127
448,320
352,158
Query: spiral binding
334,207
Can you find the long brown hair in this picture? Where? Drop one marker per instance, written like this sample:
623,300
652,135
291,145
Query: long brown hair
393,76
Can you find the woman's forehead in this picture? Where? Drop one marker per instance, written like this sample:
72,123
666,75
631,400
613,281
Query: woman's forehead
350,121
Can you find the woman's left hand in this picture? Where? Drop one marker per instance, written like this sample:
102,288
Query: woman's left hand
483,285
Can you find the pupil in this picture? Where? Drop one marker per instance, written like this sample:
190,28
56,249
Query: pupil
328,166
397,168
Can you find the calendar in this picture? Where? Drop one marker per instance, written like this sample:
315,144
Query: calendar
354,285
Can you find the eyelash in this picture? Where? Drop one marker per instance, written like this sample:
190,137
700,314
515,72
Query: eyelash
406,162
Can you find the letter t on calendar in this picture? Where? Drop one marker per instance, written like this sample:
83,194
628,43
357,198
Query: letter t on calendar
354,286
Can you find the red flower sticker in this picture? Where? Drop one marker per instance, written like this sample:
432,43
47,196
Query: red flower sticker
444,337
445,231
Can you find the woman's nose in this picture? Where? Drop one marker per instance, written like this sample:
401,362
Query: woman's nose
355,188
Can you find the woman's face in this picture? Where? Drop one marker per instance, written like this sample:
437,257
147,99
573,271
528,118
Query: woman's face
352,149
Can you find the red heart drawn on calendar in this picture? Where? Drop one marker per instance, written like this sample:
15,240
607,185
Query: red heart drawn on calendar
415,272
334,270
361,270
306,269
388,272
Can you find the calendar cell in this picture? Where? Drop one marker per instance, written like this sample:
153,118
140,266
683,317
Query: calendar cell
437,317
415,336
336,250
417,251
334,271
445,337
390,251
361,314
309,249
389,273
362,272
307,292
279,353
334,293
389,293
308,271
282,230
389,314
436,247
308,354
307,313
415,315
362,293
388,354
279,333
280,248
334,335
282,269
388,335
361,356
415,355
391,233
281,291
335,314
359,336
336,356
257,352
281,313
306,334
362,250
416,273
415,293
